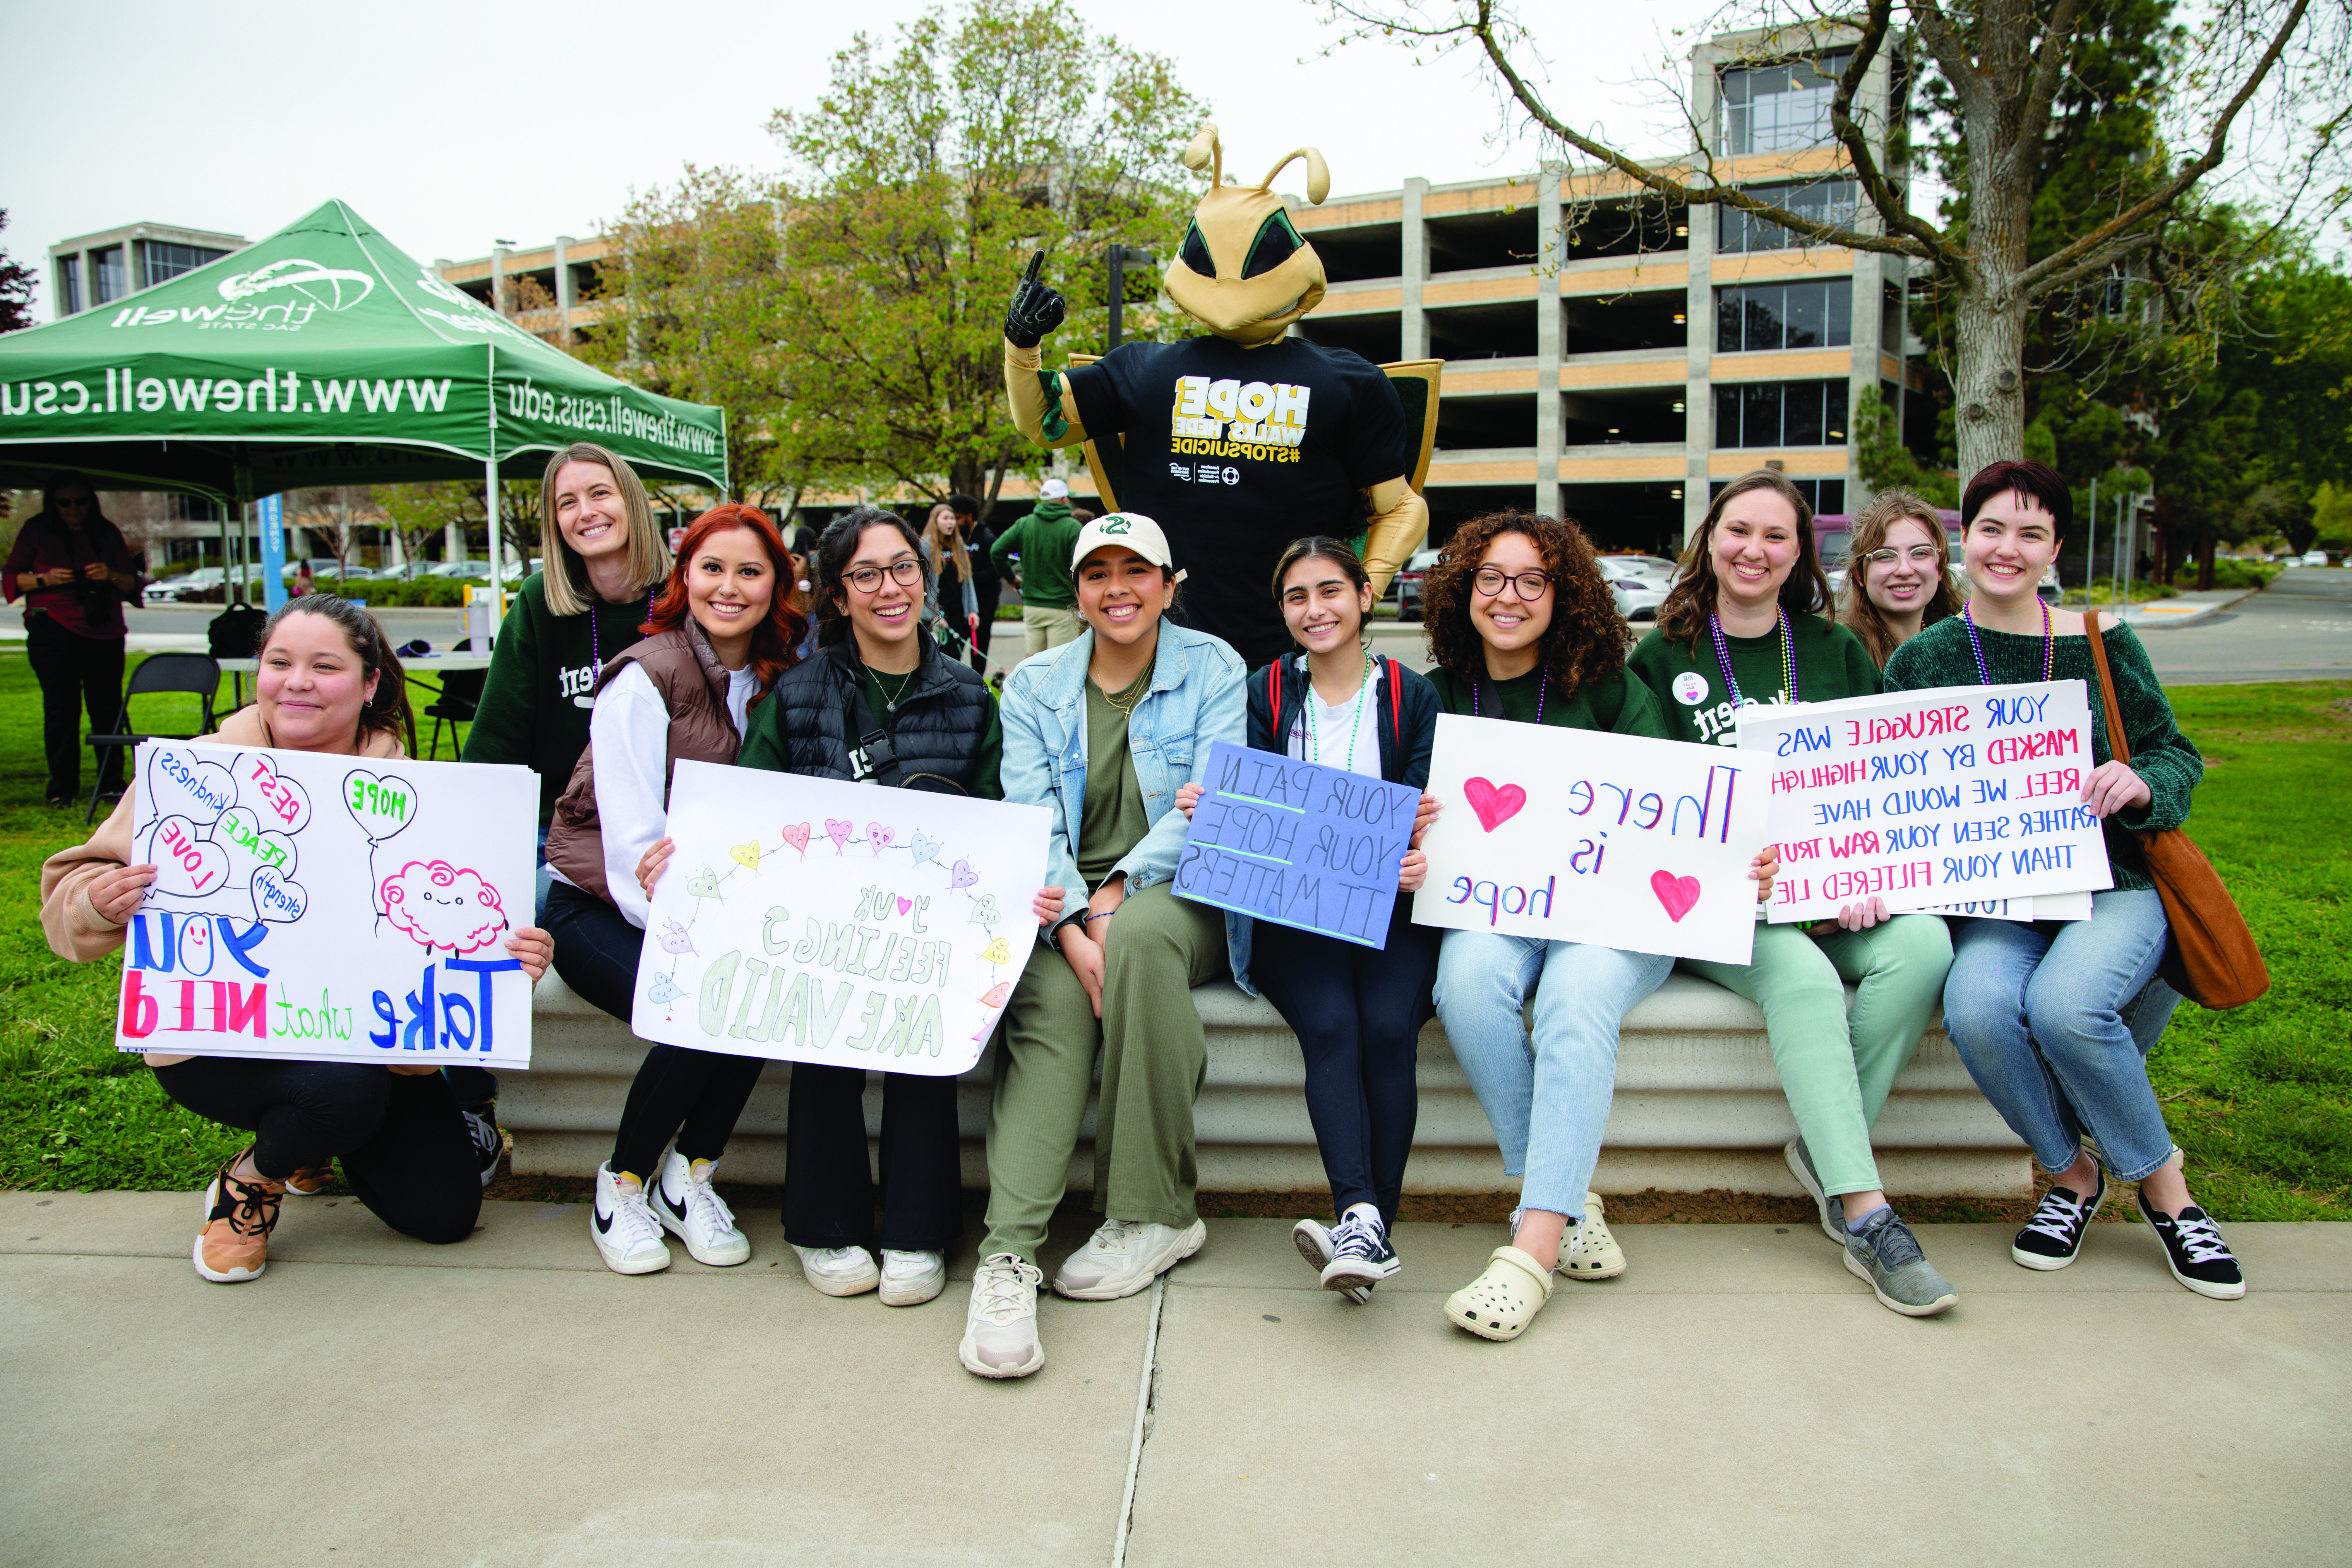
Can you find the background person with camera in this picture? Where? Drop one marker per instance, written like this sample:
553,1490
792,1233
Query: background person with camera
75,572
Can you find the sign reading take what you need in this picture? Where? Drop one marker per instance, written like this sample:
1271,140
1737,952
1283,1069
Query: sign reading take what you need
329,908
809,920
1582,836
1960,795
1297,843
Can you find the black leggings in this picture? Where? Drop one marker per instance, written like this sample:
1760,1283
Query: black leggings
405,1149
1357,1012
696,1095
75,673
828,1188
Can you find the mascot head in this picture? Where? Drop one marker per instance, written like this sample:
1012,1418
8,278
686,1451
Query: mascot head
1243,270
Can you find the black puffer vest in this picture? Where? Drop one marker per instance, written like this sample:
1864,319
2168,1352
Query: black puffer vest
931,742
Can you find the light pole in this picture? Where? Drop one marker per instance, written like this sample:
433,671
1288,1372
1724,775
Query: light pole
1119,257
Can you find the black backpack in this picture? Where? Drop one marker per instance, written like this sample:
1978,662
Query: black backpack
235,631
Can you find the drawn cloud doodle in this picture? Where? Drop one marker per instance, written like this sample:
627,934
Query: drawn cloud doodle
443,909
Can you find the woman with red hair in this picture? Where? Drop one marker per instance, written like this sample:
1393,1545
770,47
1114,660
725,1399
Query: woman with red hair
719,633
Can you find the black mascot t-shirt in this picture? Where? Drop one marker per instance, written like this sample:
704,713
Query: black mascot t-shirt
1236,452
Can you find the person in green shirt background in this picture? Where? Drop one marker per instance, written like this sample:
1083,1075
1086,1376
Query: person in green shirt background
1747,621
1042,542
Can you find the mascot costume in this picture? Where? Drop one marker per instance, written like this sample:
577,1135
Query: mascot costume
1239,442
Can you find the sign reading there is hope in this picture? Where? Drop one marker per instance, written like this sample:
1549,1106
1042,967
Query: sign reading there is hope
1584,835
1297,843
1958,794
813,921
329,908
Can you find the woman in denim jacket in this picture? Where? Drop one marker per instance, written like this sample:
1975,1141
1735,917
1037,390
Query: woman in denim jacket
1143,701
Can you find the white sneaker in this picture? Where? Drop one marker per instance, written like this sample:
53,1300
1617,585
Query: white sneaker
839,1270
1122,1258
691,1210
911,1278
624,1227
999,1327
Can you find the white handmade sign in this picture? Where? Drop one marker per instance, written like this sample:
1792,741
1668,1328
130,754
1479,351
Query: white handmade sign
329,908
2041,906
813,921
1959,794
1582,836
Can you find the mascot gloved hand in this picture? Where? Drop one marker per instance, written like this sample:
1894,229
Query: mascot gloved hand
1240,441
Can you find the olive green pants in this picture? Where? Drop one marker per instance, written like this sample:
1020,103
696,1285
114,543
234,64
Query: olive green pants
1836,1067
1154,1057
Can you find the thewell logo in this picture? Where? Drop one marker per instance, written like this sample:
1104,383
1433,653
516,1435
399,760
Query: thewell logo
335,287
280,297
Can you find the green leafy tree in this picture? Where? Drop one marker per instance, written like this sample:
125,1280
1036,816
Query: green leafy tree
2331,517
16,290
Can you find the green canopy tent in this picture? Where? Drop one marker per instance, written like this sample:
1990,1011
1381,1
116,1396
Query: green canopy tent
323,355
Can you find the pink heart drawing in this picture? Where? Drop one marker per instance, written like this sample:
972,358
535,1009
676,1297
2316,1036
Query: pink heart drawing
1495,804
995,994
904,904
838,831
962,875
879,836
1677,894
797,836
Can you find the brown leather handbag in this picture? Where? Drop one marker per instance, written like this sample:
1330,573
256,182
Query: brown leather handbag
2211,957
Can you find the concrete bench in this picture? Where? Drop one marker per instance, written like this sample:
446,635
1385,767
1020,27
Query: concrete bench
1699,1105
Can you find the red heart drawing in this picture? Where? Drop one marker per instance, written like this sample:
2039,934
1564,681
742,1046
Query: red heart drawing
1495,804
797,836
1677,894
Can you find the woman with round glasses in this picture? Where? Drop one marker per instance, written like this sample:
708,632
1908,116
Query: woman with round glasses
1897,582
1523,627
1747,621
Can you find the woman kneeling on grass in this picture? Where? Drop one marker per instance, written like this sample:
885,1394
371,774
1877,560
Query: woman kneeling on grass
2054,1018
1747,623
720,634
1517,608
326,683
1357,1011
1102,733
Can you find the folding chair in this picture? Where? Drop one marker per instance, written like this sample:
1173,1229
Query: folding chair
461,694
192,673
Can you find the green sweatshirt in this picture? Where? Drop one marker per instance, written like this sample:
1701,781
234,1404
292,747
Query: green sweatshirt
1620,704
2161,754
535,704
1688,678
1043,541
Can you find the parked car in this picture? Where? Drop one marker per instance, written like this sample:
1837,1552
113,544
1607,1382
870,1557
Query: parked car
1654,566
1407,583
169,590
475,571
2314,557
1638,593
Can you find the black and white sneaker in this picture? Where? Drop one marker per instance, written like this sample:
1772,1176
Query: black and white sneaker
2054,1237
1313,1240
2193,1246
490,1142
1360,1254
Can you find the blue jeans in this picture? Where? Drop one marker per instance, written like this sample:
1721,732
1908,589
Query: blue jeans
1547,1097
2055,1021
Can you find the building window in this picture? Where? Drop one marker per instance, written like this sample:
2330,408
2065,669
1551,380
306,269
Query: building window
109,279
165,260
1773,108
1780,414
1824,200
69,282
1760,316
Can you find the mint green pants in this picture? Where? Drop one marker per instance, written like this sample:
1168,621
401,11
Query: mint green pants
1837,1067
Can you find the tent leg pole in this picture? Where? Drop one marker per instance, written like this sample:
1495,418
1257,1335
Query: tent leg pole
498,543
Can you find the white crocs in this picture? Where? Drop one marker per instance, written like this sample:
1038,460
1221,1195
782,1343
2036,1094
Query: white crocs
1589,1252
1500,1303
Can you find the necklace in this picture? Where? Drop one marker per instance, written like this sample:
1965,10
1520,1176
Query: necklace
596,644
1787,656
890,702
1543,690
1128,696
1355,716
2049,643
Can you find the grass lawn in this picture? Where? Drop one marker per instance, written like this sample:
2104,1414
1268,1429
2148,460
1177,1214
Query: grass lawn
2261,1098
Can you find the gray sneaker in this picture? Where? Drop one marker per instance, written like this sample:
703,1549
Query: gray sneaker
1832,1212
1887,1254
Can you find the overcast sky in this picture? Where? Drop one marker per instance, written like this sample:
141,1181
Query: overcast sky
450,126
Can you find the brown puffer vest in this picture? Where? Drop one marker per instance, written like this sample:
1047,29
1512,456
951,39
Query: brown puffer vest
693,683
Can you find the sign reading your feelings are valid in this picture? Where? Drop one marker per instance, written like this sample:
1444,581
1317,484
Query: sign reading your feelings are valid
1584,835
1956,796
813,921
1297,843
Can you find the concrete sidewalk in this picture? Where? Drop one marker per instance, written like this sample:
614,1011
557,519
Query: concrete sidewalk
1736,1397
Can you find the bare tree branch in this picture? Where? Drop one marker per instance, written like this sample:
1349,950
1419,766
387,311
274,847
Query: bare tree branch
2056,54
1893,210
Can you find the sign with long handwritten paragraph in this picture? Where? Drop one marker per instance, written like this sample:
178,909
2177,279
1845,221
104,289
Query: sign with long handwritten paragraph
329,908
1584,835
1959,794
1297,843
813,921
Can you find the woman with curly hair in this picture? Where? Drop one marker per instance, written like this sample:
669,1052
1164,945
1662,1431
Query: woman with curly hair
1898,584
1523,627
1748,622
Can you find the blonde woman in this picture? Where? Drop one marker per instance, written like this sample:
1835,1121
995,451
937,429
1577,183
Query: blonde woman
956,596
